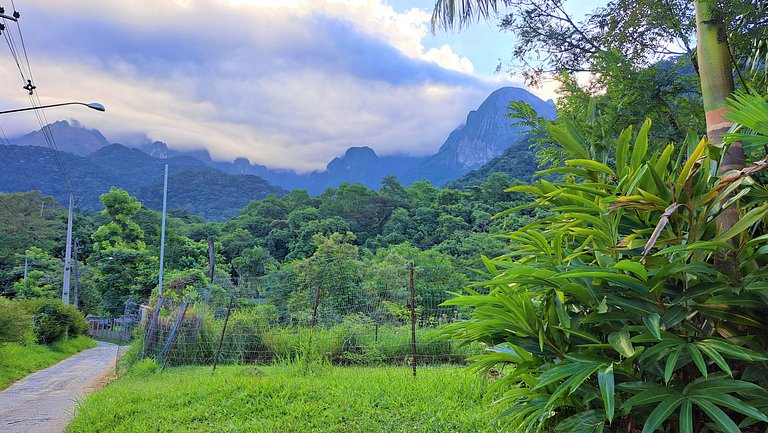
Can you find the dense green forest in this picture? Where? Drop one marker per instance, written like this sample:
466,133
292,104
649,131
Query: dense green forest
118,249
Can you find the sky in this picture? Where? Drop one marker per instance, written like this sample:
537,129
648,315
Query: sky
289,84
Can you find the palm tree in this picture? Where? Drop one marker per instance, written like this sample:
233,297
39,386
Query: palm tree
714,63
716,75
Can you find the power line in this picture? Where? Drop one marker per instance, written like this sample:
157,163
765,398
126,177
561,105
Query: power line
34,99
8,36
23,46
10,210
5,144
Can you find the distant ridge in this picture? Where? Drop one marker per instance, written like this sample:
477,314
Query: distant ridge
197,188
95,164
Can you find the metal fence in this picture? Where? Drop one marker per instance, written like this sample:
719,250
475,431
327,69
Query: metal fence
389,315
120,329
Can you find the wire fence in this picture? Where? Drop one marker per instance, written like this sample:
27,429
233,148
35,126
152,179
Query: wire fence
387,315
118,329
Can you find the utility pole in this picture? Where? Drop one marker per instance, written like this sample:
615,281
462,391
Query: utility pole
162,232
68,254
77,275
26,267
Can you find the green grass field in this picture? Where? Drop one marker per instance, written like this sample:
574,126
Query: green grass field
288,399
18,360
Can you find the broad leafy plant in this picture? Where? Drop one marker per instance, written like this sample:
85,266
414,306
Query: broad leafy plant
629,309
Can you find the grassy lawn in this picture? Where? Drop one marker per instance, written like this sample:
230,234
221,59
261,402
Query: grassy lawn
286,399
18,360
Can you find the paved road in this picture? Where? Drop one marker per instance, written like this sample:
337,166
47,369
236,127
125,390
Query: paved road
44,401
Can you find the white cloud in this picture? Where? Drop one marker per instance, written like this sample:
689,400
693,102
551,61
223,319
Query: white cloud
286,84
445,57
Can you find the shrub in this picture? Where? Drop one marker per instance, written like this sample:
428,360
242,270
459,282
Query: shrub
15,322
195,341
630,308
145,367
244,337
54,320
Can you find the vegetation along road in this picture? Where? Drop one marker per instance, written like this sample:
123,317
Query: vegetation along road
44,402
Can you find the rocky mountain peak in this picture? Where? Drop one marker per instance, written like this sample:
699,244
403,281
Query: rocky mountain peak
70,137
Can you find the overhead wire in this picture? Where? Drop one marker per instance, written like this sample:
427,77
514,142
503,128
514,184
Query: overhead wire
34,99
8,36
10,210
5,144
23,45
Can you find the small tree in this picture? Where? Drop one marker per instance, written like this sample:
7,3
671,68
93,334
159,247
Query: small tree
128,273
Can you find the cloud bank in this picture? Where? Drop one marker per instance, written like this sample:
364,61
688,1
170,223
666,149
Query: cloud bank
287,84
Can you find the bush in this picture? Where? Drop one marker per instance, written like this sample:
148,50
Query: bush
195,341
632,307
15,322
54,320
244,338
254,336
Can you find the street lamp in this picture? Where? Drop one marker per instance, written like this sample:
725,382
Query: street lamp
68,255
93,105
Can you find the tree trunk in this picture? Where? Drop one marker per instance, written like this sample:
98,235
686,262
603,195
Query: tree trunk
716,85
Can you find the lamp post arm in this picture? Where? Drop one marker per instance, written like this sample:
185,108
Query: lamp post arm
93,105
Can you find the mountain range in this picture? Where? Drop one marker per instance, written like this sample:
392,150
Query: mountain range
218,189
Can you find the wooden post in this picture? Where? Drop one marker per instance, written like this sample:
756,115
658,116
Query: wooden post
313,322
211,268
413,322
152,328
315,305
221,338
167,349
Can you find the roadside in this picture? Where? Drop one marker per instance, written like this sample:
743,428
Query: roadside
19,360
44,401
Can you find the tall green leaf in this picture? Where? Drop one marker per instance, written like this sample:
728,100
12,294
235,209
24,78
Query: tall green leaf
641,146
607,390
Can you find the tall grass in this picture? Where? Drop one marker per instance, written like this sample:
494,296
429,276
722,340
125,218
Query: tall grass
252,338
287,398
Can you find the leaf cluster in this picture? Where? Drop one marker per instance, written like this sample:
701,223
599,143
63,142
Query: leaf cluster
629,309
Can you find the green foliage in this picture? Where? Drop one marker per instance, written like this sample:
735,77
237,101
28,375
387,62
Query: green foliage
27,220
125,268
285,399
54,320
751,117
121,231
245,337
15,322
628,307
44,277
276,239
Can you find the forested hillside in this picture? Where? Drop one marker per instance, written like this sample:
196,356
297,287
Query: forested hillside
29,168
118,249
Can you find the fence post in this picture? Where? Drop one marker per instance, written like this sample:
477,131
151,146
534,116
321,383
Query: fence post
315,304
313,322
151,328
211,268
223,330
413,322
166,351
